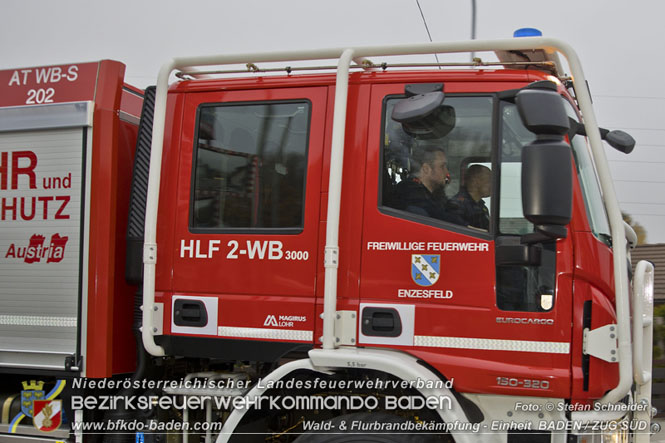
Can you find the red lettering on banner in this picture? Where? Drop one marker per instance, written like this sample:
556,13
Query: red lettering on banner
31,207
36,251
25,170
18,167
18,171
59,215
4,170
8,206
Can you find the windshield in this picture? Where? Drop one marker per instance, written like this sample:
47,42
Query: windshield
586,172
514,136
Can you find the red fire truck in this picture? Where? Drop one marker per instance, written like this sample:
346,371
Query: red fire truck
386,249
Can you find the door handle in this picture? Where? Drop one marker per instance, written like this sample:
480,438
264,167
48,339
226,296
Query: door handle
190,313
381,322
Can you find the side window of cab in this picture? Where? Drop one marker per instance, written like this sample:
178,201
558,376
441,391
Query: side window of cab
250,163
438,167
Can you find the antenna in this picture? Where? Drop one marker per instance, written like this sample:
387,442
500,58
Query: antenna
473,25
436,56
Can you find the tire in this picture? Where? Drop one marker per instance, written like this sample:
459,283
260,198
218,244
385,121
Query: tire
338,430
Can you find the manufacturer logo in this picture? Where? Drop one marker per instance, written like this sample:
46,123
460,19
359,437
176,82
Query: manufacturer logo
270,321
525,321
284,321
48,415
36,251
425,269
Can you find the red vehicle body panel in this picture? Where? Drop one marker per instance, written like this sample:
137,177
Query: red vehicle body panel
110,298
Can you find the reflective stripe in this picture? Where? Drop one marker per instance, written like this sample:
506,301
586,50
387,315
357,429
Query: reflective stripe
275,334
545,347
38,320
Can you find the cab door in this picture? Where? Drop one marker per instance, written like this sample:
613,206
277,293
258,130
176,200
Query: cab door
246,228
429,285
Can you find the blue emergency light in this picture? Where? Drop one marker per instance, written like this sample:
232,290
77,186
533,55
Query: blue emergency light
527,32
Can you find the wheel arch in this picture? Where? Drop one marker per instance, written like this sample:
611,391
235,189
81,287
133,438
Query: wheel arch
426,380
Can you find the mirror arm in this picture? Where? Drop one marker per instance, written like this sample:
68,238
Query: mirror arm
511,252
543,233
619,140
526,250
579,129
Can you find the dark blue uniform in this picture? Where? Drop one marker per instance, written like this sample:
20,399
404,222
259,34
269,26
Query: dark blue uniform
473,213
412,196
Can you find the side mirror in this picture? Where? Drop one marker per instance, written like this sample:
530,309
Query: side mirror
417,107
547,195
547,176
422,114
547,183
542,112
618,139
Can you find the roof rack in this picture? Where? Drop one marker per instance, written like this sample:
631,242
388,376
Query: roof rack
548,66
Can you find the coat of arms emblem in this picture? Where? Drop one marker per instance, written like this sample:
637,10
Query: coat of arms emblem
425,269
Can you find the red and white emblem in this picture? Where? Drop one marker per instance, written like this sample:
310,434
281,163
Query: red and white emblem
47,415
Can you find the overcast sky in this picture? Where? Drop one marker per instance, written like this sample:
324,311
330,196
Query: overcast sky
620,43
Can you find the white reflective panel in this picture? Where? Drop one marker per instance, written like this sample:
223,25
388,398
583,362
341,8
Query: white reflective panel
275,334
40,241
493,344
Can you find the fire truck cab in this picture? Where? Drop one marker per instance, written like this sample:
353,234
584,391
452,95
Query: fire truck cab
291,195
392,245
